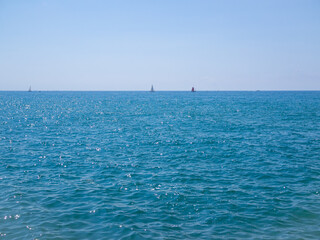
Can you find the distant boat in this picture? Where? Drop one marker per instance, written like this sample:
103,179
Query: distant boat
30,89
152,90
192,89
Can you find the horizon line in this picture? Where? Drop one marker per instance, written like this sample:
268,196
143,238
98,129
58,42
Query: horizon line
224,90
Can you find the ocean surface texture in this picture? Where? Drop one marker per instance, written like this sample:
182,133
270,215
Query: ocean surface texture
163,165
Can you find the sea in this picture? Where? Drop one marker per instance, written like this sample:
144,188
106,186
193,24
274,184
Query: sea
161,165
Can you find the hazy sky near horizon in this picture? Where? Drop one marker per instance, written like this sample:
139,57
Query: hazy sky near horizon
172,44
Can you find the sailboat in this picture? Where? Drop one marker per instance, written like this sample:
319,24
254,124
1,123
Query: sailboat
152,90
192,89
30,89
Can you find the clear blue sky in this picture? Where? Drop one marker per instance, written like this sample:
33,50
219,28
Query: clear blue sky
172,44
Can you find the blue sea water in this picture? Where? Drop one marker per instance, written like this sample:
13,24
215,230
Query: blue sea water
163,165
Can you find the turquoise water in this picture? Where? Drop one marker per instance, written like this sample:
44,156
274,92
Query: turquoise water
163,165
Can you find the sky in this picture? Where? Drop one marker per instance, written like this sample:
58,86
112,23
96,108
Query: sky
172,44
